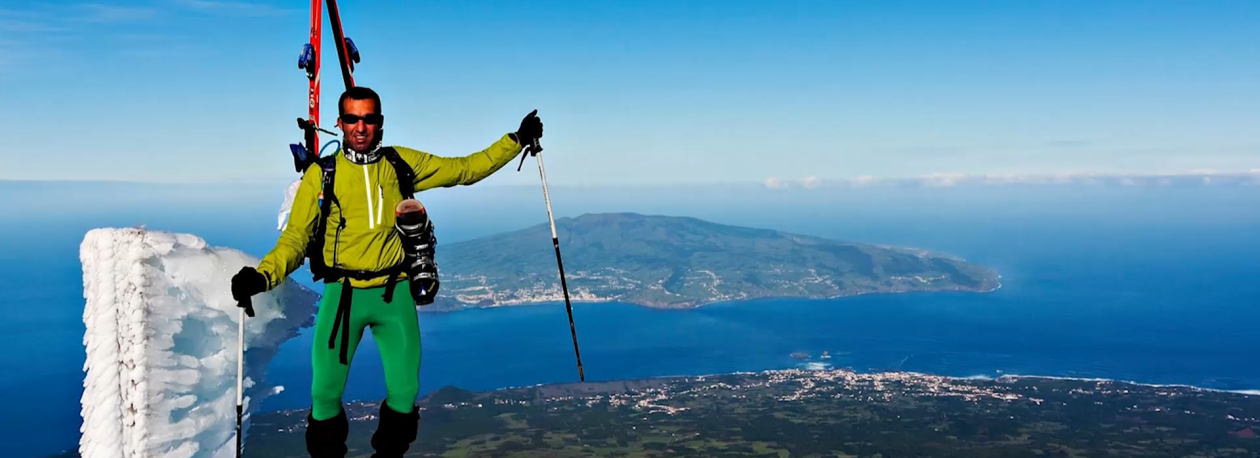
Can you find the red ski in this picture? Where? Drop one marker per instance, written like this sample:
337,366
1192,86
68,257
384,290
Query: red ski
346,52
312,73
309,60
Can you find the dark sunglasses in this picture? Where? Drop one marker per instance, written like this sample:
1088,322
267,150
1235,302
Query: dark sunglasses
372,119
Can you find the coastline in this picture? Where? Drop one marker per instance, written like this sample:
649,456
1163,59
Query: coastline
924,375
692,306
1005,378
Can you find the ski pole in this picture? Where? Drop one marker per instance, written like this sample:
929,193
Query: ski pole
533,149
240,373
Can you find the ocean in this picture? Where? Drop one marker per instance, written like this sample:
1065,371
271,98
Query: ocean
1148,286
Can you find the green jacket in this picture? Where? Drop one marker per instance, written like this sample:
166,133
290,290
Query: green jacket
368,195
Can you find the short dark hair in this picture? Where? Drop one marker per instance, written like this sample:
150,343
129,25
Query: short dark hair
358,93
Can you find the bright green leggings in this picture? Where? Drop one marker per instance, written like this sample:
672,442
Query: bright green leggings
396,331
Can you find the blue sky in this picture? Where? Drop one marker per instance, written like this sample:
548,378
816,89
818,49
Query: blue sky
644,92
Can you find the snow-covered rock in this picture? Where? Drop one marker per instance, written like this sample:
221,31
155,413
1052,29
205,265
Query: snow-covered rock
161,344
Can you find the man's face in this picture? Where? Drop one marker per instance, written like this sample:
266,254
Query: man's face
365,128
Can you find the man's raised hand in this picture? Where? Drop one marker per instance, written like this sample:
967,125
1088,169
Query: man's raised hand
531,129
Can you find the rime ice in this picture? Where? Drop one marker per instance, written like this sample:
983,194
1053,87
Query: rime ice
160,376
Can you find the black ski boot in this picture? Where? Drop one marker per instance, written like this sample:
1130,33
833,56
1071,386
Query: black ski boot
327,438
415,230
395,432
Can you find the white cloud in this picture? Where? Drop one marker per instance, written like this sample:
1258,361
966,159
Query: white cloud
773,183
942,180
947,180
864,181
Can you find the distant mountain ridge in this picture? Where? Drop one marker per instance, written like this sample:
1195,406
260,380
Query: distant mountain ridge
679,262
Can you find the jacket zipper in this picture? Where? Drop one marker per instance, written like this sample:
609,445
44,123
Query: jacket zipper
367,187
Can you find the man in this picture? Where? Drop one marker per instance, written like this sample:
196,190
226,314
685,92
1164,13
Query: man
361,250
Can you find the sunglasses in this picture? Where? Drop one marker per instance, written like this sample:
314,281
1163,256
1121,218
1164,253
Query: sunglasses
372,119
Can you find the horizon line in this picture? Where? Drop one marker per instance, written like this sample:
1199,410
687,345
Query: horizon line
938,179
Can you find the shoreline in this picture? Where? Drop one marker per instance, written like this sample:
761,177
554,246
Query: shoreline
924,375
1243,392
705,304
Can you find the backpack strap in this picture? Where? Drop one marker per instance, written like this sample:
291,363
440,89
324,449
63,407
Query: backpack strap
406,176
326,195
315,249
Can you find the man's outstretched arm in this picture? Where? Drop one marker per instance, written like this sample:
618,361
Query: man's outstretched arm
434,171
440,172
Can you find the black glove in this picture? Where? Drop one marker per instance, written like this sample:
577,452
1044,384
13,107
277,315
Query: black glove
531,129
245,284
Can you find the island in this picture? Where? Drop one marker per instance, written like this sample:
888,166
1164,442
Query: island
800,413
683,262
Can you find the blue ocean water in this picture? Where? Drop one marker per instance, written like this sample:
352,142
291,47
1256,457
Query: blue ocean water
1166,306
1156,288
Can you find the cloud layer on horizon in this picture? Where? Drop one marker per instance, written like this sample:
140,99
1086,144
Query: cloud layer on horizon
1196,178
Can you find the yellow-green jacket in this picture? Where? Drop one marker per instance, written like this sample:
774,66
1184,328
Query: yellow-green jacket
368,194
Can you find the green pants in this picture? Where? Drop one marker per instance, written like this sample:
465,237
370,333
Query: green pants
396,331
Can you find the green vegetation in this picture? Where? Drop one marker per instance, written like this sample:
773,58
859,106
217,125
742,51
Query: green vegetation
811,414
662,261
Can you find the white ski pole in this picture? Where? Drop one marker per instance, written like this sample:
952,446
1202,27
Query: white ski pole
535,148
240,376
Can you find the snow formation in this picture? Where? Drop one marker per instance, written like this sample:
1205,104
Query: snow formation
161,344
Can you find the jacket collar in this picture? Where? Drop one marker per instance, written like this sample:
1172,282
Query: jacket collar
365,157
